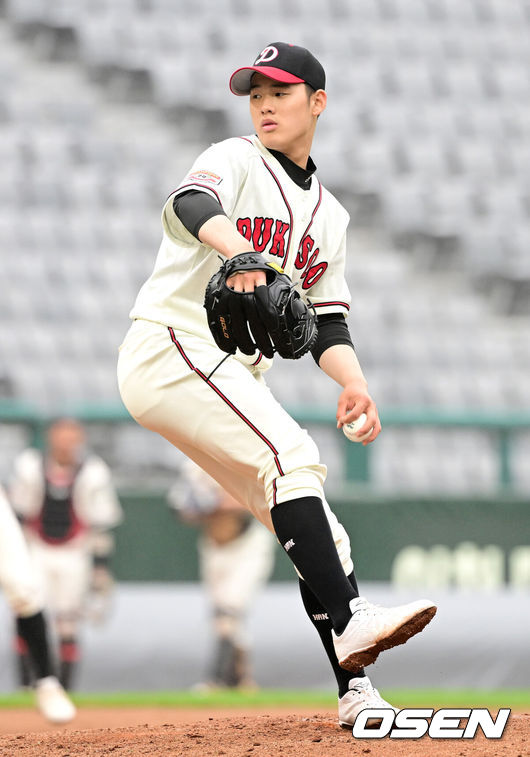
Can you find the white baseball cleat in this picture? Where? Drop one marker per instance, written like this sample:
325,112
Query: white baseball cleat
361,696
53,702
372,629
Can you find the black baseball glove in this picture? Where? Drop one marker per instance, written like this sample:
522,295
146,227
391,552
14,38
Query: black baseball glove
278,318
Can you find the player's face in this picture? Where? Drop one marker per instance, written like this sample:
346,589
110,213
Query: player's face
65,442
284,116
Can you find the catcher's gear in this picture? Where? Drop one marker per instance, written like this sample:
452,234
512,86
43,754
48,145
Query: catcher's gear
278,318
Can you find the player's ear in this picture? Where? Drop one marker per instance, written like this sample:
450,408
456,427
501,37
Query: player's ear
318,102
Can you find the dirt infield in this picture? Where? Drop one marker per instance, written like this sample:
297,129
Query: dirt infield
249,733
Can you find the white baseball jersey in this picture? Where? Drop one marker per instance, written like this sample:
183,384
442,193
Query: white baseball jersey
304,231
173,378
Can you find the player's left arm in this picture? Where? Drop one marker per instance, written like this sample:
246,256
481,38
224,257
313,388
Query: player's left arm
220,233
102,584
101,545
217,177
205,219
97,503
341,363
96,497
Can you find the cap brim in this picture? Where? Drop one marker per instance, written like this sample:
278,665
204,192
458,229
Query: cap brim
241,79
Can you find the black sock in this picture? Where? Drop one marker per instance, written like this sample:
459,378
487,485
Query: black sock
304,532
33,631
224,669
68,660
24,671
319,618
66,672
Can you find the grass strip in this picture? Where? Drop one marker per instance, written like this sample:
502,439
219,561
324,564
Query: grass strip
515,698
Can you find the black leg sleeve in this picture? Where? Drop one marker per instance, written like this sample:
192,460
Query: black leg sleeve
33,631
319,618
303,530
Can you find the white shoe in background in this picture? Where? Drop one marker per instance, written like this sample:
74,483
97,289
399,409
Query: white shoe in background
53,702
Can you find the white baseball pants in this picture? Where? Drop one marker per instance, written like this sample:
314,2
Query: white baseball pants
225,418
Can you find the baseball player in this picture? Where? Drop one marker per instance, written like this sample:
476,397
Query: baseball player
256,203
236,557
18,580
68,504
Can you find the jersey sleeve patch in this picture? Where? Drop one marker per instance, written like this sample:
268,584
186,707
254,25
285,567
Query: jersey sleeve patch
205,176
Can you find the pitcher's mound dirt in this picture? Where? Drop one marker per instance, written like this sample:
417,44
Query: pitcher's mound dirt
230,734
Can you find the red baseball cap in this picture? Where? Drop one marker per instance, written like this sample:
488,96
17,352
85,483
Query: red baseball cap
282,62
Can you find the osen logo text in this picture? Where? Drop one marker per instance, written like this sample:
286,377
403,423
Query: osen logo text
413,723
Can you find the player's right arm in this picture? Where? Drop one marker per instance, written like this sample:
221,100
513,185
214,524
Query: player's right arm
340,363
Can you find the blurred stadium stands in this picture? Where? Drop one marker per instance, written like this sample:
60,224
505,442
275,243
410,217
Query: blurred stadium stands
104,104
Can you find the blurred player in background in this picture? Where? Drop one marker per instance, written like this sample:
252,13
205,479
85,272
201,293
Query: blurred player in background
18,580
67,503
236,557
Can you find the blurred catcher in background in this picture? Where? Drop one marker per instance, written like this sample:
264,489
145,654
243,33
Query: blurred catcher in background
67,503
236,558
19,582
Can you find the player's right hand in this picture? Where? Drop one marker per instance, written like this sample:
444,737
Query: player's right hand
354,400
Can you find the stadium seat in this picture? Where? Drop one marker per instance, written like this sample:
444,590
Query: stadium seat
425,137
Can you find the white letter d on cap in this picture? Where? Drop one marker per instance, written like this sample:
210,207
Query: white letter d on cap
266,55
360,731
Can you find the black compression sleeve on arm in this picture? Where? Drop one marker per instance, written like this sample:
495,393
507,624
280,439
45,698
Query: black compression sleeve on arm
194,208
332,329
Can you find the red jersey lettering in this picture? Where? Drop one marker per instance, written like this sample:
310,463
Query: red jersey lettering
278,240
312,274
303,251
261,235
244,226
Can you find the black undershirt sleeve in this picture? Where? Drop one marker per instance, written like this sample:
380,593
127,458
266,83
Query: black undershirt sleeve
332,329
194,208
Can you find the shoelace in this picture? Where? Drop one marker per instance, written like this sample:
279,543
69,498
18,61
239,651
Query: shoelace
364,687
366,608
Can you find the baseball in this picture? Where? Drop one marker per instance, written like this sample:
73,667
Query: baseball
350,429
